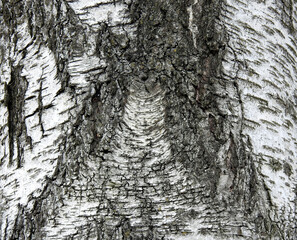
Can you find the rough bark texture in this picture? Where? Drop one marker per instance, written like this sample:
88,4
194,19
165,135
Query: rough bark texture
160,119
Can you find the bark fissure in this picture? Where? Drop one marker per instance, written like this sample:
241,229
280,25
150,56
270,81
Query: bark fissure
15,96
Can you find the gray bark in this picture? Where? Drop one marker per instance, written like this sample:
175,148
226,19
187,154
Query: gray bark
160,119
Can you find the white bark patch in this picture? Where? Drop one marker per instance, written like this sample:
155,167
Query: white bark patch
41,157
192,26
97,11
264,57
143,128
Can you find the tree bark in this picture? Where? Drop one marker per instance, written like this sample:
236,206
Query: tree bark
160,119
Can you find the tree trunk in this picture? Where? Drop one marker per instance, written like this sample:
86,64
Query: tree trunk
160,119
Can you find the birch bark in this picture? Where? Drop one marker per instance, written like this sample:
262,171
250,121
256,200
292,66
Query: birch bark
161,119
